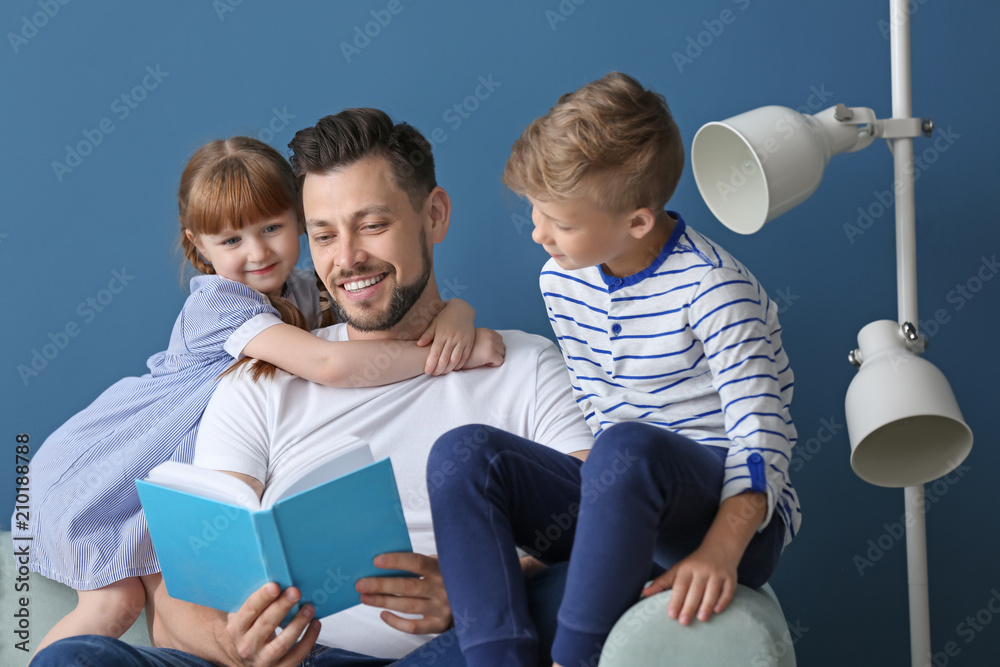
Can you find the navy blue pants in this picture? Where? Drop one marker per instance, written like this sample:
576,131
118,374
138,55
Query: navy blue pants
642,501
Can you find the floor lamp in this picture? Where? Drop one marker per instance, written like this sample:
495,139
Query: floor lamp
904,424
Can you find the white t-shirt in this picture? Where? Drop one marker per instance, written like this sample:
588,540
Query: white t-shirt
257,428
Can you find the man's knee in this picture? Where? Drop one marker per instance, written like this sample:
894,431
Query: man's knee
81,651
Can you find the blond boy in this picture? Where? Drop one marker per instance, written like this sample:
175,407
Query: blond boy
675,356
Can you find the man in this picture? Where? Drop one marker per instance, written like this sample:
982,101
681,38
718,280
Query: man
373,213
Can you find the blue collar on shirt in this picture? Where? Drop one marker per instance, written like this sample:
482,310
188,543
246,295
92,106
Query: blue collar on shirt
614,283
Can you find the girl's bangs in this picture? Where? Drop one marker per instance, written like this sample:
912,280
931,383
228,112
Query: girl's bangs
238,193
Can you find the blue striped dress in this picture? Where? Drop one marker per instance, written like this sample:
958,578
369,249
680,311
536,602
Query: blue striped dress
692,344
86,525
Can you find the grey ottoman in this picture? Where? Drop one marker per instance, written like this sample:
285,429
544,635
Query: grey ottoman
39,607
751,632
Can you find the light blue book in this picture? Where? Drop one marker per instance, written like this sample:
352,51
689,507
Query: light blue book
317,528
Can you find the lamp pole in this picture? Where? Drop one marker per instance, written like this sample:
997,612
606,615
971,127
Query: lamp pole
906,292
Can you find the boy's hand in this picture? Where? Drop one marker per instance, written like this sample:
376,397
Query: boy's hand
451,335
703,584
705,581
489,350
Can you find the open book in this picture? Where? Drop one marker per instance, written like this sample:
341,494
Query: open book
317,528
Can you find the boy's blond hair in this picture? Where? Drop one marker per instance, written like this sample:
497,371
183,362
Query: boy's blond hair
612,138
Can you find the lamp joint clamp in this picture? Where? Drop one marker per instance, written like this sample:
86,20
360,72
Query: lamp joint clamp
899,128
842,112
916,342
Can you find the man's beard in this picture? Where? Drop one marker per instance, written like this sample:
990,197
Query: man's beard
401,301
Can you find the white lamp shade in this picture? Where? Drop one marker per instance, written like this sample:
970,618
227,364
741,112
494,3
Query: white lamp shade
753,167
903,420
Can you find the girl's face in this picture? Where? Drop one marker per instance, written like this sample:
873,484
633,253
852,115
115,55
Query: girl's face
261,255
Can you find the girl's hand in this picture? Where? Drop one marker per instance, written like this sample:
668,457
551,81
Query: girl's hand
489,350
451,335
703,583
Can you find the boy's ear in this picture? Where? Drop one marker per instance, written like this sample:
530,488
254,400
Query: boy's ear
438,208
641,222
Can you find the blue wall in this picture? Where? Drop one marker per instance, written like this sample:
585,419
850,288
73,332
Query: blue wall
269,69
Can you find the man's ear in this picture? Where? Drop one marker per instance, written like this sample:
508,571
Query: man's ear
641,222
438,207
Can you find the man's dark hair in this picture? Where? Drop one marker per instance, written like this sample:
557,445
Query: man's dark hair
338,141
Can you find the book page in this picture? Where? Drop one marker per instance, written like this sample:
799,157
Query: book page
211,484
344,455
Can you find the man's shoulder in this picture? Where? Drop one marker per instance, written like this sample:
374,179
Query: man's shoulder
524,340
526,352
517,341
527,346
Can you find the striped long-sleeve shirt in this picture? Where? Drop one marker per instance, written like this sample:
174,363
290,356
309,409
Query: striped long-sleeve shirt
692,344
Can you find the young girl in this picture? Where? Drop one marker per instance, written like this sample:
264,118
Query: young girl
240,223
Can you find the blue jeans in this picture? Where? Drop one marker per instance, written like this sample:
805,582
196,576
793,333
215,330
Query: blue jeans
643,501
544,595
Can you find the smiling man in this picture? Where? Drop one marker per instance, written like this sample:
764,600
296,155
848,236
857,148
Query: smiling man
373,214
372,247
